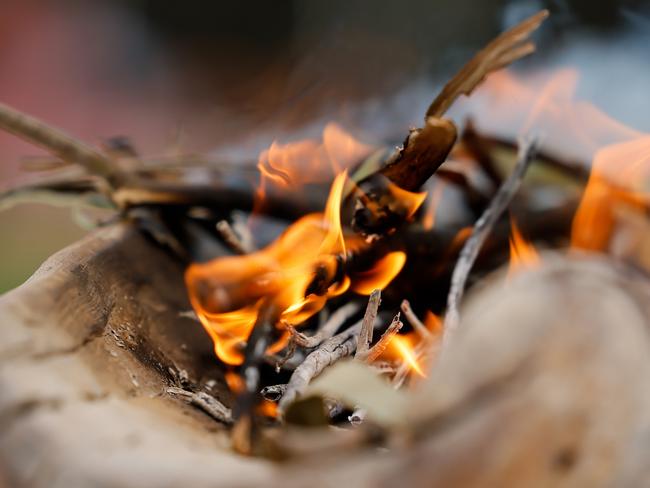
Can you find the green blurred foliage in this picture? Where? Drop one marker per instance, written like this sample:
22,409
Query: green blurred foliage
30,234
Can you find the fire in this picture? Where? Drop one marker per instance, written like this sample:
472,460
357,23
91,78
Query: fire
228,293
405,350
380,274
522,253
296,164
429,219
617,178
234,381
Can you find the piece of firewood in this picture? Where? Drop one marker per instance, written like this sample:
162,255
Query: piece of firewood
425,149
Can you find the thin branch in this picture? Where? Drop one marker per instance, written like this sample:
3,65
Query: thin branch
57,142
367,325
505,49
339,346
415,322
230,237
210,405
329,328
375,351
480,233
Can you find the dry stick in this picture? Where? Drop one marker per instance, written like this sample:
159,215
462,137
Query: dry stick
57,142
506,48
368,324
375,351
328,329
480,232
205,402
230,237
339,346
415,322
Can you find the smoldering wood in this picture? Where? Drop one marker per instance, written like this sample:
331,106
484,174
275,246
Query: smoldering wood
425,149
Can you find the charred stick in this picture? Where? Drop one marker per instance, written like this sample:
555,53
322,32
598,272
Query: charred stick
425,149
368,324
337,319
258,341
273,392
333,349
291,350
483,227
377,350
210,405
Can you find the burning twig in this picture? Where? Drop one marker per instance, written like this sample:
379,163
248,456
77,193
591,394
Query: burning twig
329,328
479,234
375,351
339,346
244,430
210,405
415,322
425,149
367,324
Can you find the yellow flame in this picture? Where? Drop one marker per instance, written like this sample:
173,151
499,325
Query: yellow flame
403,346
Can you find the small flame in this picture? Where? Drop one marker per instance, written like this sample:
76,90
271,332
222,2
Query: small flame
404,348
296,164
522,253
433,322
380,275
429,219
234,382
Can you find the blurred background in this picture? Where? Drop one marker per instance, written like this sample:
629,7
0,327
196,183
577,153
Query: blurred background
231,77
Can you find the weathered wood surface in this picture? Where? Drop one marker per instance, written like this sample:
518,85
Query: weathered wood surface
546,384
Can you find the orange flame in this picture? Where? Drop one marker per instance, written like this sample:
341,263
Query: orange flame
404,349
429,219
267,408
618,175
380,274
234,382
522,253
227,293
